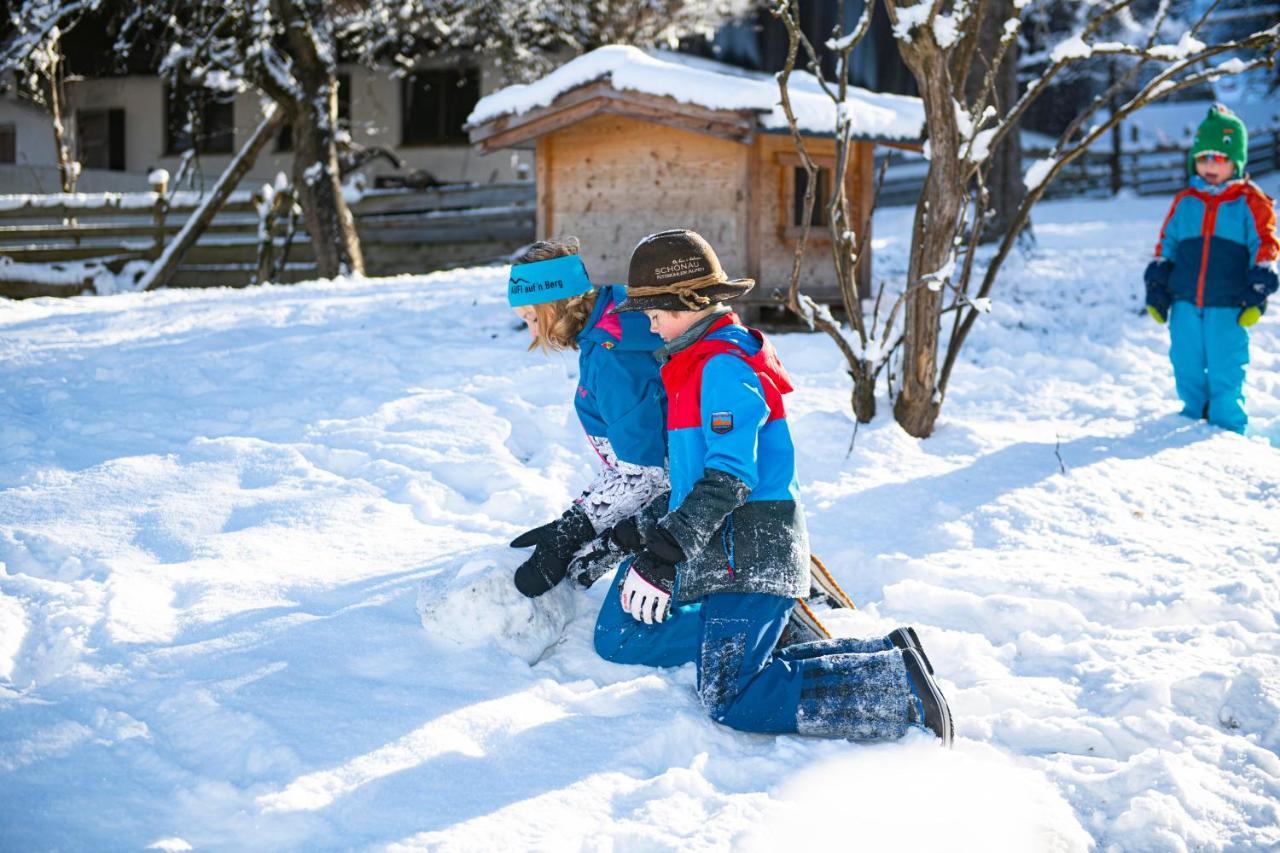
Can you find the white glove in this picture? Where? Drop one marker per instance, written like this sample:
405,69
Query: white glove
644,601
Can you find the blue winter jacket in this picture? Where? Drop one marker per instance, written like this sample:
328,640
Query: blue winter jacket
620,394
734,505
1211,238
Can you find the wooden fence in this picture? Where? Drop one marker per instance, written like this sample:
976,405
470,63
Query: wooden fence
1158,171
76,237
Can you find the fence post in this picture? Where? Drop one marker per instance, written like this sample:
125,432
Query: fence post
159,181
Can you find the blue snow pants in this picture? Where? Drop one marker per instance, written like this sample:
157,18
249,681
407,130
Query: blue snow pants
848,688
1209,351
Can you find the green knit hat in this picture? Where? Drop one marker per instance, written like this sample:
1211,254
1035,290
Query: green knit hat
1224,132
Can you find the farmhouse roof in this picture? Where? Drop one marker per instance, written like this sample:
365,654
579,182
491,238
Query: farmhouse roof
673,88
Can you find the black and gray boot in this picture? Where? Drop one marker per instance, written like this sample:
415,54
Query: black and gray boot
905,638
937,715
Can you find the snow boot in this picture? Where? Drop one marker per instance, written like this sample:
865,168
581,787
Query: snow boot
936,713
905,638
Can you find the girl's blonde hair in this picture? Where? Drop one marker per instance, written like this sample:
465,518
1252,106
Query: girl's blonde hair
559,322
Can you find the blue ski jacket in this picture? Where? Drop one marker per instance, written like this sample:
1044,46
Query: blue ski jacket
1211,238
734,505
620,396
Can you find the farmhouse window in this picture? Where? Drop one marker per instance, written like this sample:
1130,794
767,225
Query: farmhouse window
435,104
199,119
100,139
821,196
284,142
793,180
8,143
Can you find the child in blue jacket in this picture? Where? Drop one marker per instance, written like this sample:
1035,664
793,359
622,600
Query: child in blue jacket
1214,268
729,546
619,402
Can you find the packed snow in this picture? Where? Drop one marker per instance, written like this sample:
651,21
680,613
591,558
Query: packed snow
706,83
253,583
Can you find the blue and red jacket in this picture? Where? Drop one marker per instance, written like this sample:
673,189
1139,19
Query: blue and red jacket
1212,237
619,394
734,505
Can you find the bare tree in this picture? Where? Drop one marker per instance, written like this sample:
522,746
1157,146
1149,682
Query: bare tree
938,40
525,40
848,238
286,50
31,54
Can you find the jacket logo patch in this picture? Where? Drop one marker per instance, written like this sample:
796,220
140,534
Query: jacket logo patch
607,344
721,422
582,392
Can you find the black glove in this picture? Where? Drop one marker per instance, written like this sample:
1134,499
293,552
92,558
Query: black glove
554,545
646,590
626,535
657,562
1156,279
604,552
535,536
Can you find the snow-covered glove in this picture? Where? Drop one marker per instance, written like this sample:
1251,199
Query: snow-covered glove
646,590
599,556
1156,279
553,546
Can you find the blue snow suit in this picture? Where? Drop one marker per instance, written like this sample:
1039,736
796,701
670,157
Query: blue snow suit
620,396
1215,256
734,508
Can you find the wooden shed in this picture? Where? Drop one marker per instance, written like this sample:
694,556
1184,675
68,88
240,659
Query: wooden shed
629,142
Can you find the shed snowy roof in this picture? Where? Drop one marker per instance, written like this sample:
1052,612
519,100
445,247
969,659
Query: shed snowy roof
712,86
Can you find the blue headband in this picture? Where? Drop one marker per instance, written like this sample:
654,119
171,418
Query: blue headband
547,281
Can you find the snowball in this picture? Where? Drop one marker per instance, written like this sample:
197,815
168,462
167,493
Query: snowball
477,605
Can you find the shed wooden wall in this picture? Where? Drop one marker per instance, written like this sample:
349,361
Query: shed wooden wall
613,180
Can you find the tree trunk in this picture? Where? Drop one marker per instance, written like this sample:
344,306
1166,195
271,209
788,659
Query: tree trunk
316,177
1117,169
864,398
937,213
1005,186
67,171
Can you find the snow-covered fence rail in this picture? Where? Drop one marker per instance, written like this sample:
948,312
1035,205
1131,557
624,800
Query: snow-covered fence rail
62,244
1145,172
1151,171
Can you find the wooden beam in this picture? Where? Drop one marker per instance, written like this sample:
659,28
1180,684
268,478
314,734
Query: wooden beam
753,202
546,195
599,97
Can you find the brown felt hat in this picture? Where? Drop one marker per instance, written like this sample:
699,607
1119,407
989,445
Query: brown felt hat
677,270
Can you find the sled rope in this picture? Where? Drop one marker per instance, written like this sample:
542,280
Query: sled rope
835,587
816,623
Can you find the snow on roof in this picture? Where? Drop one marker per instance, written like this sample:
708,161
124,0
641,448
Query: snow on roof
713,85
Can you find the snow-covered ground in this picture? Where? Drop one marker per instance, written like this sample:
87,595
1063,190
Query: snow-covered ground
219,511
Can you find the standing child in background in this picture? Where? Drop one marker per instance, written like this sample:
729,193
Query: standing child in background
731,539
1215,266
619,402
